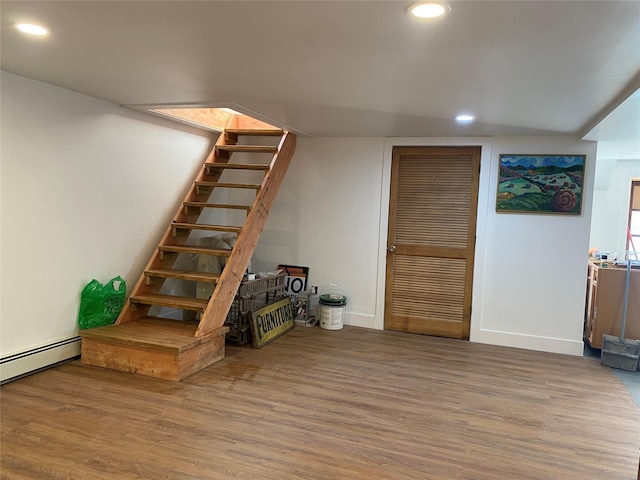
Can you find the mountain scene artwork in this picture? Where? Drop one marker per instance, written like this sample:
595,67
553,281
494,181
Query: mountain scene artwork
540,184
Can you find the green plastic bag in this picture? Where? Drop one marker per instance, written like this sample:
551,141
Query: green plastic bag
101,304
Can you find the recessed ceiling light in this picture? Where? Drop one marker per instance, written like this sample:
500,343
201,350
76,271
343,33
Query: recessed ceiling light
428,9
465,118
32,29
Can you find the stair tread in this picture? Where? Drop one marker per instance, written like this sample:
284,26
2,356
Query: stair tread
153,333
186,303
228,185
216,252
183,274
202,226
255,132
217,205
248,148
237,166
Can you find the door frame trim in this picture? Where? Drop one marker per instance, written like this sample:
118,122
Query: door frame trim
486,172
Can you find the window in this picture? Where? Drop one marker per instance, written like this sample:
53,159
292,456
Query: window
634,216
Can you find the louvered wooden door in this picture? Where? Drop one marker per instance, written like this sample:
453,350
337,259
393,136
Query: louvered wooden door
431,240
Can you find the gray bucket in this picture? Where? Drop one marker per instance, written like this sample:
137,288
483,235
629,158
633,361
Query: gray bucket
620,353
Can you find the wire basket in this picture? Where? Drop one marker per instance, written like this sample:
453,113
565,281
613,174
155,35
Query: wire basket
252,294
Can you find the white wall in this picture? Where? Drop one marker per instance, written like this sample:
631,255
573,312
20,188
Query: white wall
327,217
87,189
611,203
535,266
530,270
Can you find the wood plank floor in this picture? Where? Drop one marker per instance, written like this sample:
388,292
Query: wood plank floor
320,404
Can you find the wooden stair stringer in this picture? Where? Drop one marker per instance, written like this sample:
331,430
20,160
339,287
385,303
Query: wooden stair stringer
225,291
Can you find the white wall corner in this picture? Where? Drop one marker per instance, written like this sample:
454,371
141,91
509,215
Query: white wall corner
360,320
531,342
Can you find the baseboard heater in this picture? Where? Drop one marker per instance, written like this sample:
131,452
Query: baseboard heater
18,365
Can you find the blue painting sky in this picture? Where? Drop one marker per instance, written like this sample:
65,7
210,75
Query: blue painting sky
534,161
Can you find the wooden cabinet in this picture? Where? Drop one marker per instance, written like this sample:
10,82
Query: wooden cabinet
603,310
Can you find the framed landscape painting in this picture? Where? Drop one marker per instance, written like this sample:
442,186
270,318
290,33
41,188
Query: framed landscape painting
540,184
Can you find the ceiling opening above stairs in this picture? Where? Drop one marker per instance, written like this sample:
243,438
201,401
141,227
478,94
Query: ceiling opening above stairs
209,118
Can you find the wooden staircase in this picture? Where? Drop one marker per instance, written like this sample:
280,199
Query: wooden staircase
172,348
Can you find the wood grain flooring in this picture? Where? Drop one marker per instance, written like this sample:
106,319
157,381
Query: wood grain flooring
321,404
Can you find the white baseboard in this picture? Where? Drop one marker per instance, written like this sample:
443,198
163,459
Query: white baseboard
530,342
493,337
359,320
28,361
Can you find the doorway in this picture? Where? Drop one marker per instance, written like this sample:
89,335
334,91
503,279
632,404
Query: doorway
431,240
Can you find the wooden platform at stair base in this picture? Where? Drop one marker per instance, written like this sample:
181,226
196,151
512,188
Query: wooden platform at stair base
154,347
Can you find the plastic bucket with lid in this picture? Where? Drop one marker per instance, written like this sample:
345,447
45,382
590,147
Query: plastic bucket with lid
332,303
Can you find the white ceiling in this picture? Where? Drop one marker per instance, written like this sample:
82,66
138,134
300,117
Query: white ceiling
618,135
345,68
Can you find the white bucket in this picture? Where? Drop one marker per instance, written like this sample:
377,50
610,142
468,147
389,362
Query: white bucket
331,316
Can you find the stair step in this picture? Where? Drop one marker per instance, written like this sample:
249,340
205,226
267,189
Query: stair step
210,185
254,132
148,332
156,347
201,205
153,333
216,252
236,166
183,303
199,226
247,148
182,275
